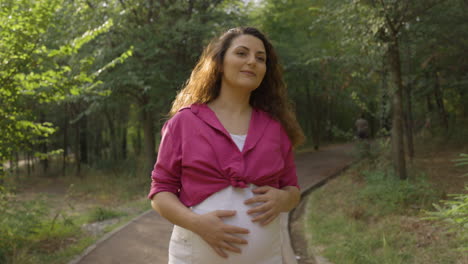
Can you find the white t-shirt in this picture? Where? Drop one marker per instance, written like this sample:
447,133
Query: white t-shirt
239,140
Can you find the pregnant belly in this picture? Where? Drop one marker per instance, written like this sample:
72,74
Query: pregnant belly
264,242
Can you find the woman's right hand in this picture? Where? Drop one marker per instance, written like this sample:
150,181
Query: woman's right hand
211,228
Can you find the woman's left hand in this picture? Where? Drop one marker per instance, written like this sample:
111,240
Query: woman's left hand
272,201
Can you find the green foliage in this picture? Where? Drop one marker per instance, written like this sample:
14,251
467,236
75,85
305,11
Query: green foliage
388,194
18,223
454,212
25,226
316,65
101,214
462,161
35,71
346,226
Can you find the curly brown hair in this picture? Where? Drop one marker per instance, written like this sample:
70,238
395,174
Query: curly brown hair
204,84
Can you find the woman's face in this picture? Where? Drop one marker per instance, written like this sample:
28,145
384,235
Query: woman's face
244,64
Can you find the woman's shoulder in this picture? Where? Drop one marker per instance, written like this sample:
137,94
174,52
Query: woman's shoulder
267,117
183,116
273,123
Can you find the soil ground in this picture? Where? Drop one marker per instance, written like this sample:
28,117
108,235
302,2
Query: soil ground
145,239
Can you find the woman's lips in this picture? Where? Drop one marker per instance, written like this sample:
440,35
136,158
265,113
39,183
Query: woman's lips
249,73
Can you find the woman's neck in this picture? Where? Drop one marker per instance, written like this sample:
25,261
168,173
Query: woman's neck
236,103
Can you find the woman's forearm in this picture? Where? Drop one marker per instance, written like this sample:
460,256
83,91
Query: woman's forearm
292,198
169,206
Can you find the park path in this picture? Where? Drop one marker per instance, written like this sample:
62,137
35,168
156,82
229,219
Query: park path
145,239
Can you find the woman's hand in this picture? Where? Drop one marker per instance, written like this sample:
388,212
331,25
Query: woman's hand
211,228
272,201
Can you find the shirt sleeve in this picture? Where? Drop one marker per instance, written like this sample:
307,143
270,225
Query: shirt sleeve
166,174
289,176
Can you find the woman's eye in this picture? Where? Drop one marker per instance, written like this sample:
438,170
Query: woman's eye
261,59
241,53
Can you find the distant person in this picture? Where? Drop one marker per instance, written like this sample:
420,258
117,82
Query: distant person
225,169
362,128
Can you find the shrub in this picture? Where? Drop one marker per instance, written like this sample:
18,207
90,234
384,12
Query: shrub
388,194
454,212
19,222
25,227
101,214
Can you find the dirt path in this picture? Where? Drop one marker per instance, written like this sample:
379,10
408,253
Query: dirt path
314,169
145,239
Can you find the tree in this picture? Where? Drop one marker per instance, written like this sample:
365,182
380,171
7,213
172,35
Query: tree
33,71
168,37
381,23
314,65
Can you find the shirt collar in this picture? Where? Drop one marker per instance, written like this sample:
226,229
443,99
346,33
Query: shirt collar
258,123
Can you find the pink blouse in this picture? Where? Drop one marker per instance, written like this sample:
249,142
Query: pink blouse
197,157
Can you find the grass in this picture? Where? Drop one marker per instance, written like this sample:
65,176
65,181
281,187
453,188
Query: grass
42,219
368,216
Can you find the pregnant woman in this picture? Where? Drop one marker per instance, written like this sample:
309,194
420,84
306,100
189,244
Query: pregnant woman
225,169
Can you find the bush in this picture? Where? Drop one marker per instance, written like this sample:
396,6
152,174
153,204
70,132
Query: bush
455,212
389,194
19,222
101,214
26,227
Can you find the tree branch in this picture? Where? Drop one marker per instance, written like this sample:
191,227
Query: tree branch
387,18
423,10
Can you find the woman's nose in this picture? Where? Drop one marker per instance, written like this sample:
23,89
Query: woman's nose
251,60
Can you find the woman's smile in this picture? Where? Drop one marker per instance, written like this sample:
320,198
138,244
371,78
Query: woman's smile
249,73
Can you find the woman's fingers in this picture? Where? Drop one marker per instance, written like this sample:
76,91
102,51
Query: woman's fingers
269,219
230,247
261,208
224,213
272,202
262,189
234,239
219,251
219,236
227,244
235,230
256,199
265,216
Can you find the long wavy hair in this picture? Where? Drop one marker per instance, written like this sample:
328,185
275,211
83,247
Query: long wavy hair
204,84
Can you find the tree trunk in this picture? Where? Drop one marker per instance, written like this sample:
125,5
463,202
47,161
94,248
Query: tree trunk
409,122
124,142
2,174
84,139
317,132
440,102
312,104
148,134
384,123
113,137
398,149
430,107
10,168
137,143
65,141
77,149
16,163
329,117
409,110
28,163
45,161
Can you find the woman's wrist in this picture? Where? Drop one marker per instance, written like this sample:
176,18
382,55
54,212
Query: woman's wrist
290,197
193,222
